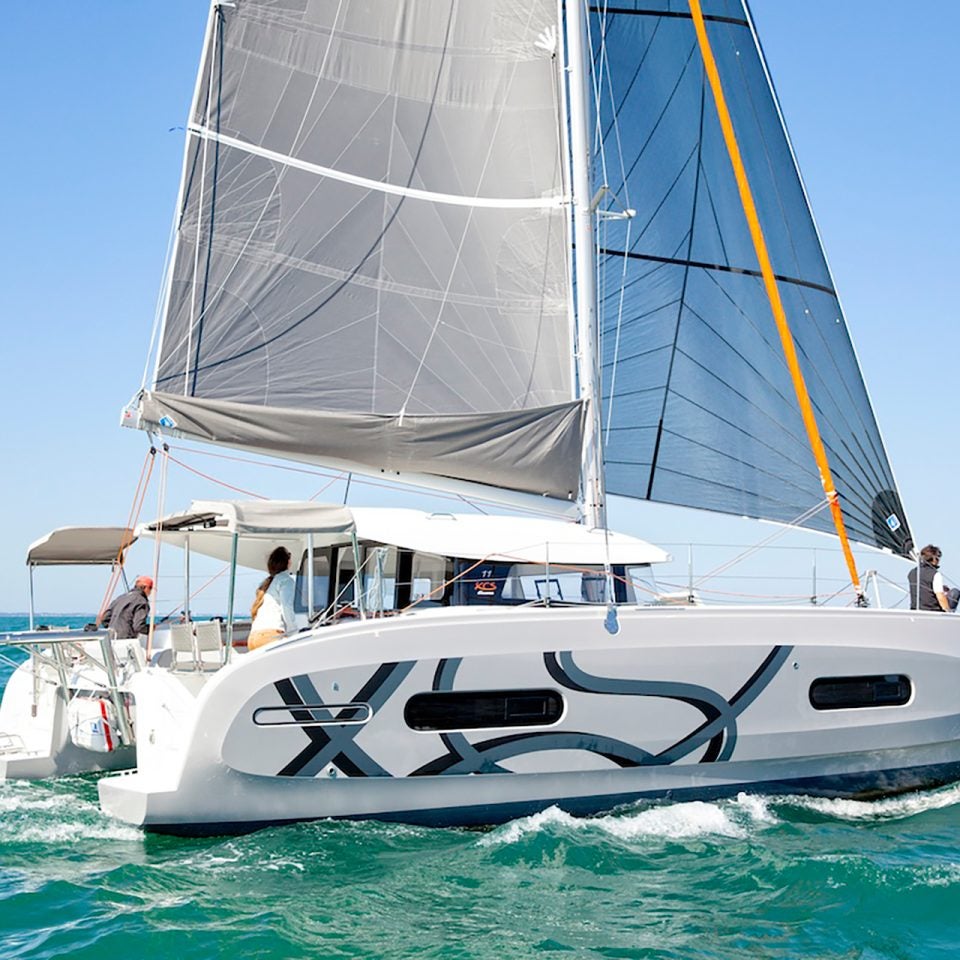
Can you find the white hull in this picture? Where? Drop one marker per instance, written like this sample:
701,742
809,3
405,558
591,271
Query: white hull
692,702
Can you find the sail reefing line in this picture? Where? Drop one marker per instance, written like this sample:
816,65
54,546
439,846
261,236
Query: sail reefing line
498,203
772,290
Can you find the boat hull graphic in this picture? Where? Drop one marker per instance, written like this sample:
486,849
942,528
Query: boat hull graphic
682,703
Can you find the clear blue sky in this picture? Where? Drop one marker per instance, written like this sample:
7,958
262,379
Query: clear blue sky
90,170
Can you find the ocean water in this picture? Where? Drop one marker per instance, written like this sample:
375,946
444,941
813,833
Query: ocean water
752,877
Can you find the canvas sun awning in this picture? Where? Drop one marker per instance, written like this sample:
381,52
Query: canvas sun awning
207,527
69,546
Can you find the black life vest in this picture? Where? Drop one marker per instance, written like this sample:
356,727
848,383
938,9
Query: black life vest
928,599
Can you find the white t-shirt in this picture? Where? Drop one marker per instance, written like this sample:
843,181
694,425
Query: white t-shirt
276,611
938,583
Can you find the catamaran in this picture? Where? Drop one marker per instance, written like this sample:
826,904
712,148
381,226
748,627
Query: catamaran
540,253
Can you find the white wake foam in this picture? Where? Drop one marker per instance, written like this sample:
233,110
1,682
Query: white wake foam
888,808
675,821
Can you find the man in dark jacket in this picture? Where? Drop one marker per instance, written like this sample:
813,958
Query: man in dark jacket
129,612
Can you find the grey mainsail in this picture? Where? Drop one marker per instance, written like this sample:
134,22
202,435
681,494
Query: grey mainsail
372,252
699,408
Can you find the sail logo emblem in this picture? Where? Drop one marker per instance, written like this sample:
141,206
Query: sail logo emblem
893,522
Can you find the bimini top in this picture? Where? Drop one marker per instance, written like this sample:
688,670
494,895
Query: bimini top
209,525
70,546
258,518
520,539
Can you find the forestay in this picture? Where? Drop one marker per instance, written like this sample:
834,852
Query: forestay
371,256
699,408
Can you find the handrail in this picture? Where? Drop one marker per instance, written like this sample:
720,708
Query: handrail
57,641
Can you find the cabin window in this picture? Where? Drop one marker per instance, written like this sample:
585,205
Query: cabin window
641,584
380,579
345,593
473,709
321,582
516,583
428,579
841,693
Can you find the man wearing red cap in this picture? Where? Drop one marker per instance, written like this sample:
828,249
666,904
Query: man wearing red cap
129,612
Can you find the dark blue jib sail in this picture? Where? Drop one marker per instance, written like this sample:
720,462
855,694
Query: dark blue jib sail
699,407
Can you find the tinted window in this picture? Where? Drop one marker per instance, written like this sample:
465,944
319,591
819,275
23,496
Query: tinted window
471,709
321,582
837,693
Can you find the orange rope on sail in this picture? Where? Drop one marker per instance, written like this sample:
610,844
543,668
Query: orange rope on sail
773,292
132,517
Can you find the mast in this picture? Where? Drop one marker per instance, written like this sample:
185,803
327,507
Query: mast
591,470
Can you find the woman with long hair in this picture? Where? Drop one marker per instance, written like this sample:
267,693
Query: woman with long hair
272,610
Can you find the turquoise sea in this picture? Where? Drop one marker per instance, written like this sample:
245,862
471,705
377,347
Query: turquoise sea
754,877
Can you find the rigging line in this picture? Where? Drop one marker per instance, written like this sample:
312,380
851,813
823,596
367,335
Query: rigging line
776,535
221,483
673,14
615,125
161,304
330,483
683,292
379,186
216,34
161,501
616,340
133,516
213,206
773,293
455,497
723,268
596,69
196,593
615,122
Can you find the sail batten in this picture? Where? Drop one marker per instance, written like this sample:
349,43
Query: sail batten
516,203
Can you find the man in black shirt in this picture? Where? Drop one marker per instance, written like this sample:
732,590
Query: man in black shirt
129,612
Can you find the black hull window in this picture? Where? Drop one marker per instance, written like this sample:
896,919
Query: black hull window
842,693
473,709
